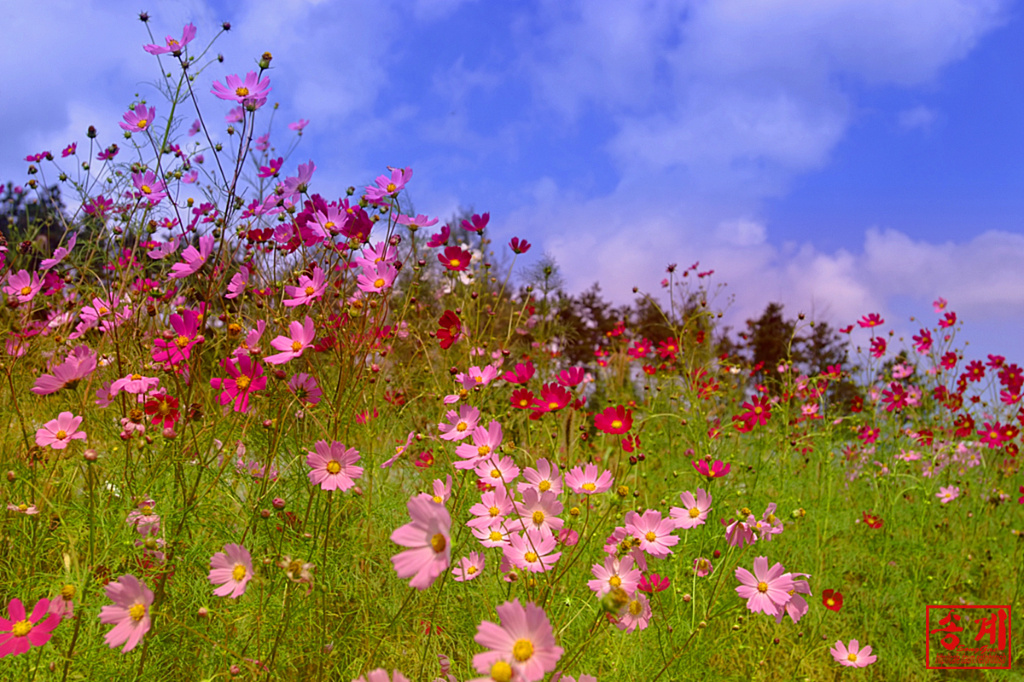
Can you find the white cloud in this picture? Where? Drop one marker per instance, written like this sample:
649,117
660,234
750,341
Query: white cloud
917,118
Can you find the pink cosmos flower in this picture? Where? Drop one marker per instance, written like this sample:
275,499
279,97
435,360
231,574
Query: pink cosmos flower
460,424
614,573
78,365
375,280
586,481
852,656
476,223
519,245
58,433
702,567
455,259
495,471
139,119
636,615
544,478
523,645
440,238
59,254
769,524
23,286
26,509
429,541
532,550
245,376
69,150
334,466
797,607
694,512
172,45
150,188
302,335
236,287
476,377
381,675
63,605
469,567
417,222
494,505
305,389
767,590
250,93
948,494
653,532
739,533
310,289
716,470
232,570
194,258
135,384
538,511
186,329
299,125
486,441
388,187
18,634
129,614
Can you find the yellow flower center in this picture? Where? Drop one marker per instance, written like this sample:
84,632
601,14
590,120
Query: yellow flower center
333,467
530,557
635,607
137,611
522,650
501,672
615,581
68,591
242,91
830,601
461,426
242,382
851,657
391,187
438,499
762,586
238,573
454,262
495,536
136,377
494,511
103,310
21,628
23,507
538,517
471,570
495,473
650,535
553,405
483,450
694,512
142,124
25,291
146,189
438,543
616,424
61,435
329,225
379,283
296,346
181,341
310,291
544,486
589,487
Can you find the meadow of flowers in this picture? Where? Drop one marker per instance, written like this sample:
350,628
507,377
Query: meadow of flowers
259,428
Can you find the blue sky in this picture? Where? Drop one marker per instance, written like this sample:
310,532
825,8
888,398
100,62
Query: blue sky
840,156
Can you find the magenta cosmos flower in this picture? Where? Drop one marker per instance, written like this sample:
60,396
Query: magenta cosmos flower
139,119
852,656
246,376
766,590
149,186
586,481
232,570
302,336
129,614
173,45
250,92
523,645
194,258
333,466
18,634
59,432
428,537
716,470
469,568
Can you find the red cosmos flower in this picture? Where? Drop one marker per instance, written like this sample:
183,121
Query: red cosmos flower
519,245
949,360
948,321
846,330
451,329
614,420
993,434
716,470
668,349
975,371
163,408
877,347
454,258
872,320
872,521
522,399
1011,377
552,398
923,341
640,349
572,377
833,600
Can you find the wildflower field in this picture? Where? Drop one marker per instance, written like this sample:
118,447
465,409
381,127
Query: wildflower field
258,428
